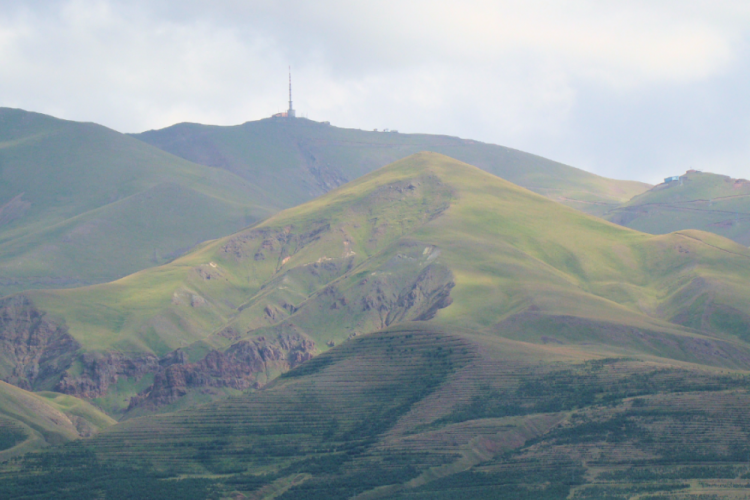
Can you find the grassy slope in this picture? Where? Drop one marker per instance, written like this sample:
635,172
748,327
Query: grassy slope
80,203
703,201
509,250
416,412
30,421
309,158
553,371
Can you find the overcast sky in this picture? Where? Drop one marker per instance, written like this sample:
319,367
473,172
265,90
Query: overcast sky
634,89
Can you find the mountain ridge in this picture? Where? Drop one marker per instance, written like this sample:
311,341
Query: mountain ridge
426,331
75,193
83,204
335,155
407,242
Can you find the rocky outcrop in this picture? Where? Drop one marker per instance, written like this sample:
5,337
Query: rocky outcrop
100,370
277,243
34,348
37,352
419,300
236,368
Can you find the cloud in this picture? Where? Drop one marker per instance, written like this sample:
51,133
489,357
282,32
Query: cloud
626,89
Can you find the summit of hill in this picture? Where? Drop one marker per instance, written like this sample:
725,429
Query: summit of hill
298,159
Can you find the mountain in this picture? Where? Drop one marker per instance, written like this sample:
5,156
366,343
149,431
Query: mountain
425,331
300,159
696,200
82,204
290,279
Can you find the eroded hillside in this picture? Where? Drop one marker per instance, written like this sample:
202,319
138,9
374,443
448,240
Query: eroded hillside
424,330
401,244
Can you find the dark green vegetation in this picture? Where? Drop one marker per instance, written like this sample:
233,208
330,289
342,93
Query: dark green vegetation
699,200
82,204
528,348
368,424
76,473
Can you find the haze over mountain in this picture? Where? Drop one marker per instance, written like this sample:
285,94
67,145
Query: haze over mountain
622,89
82,204
486,330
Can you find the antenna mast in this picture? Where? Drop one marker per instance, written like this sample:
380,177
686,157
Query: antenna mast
290,112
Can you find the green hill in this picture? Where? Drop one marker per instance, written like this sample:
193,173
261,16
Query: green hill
426,331
698,200
299,159
82,204
30,421
399,244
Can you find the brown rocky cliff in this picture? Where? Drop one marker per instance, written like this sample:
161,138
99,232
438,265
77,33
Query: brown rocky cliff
236,368
387,301
102,370
37,353
34,349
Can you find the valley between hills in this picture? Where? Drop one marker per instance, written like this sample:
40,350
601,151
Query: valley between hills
364,315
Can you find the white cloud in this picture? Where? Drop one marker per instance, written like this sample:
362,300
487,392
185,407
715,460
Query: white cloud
526,74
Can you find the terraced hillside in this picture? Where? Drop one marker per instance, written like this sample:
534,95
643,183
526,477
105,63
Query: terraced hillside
416,412
699,200
299,159
82,204
426,331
